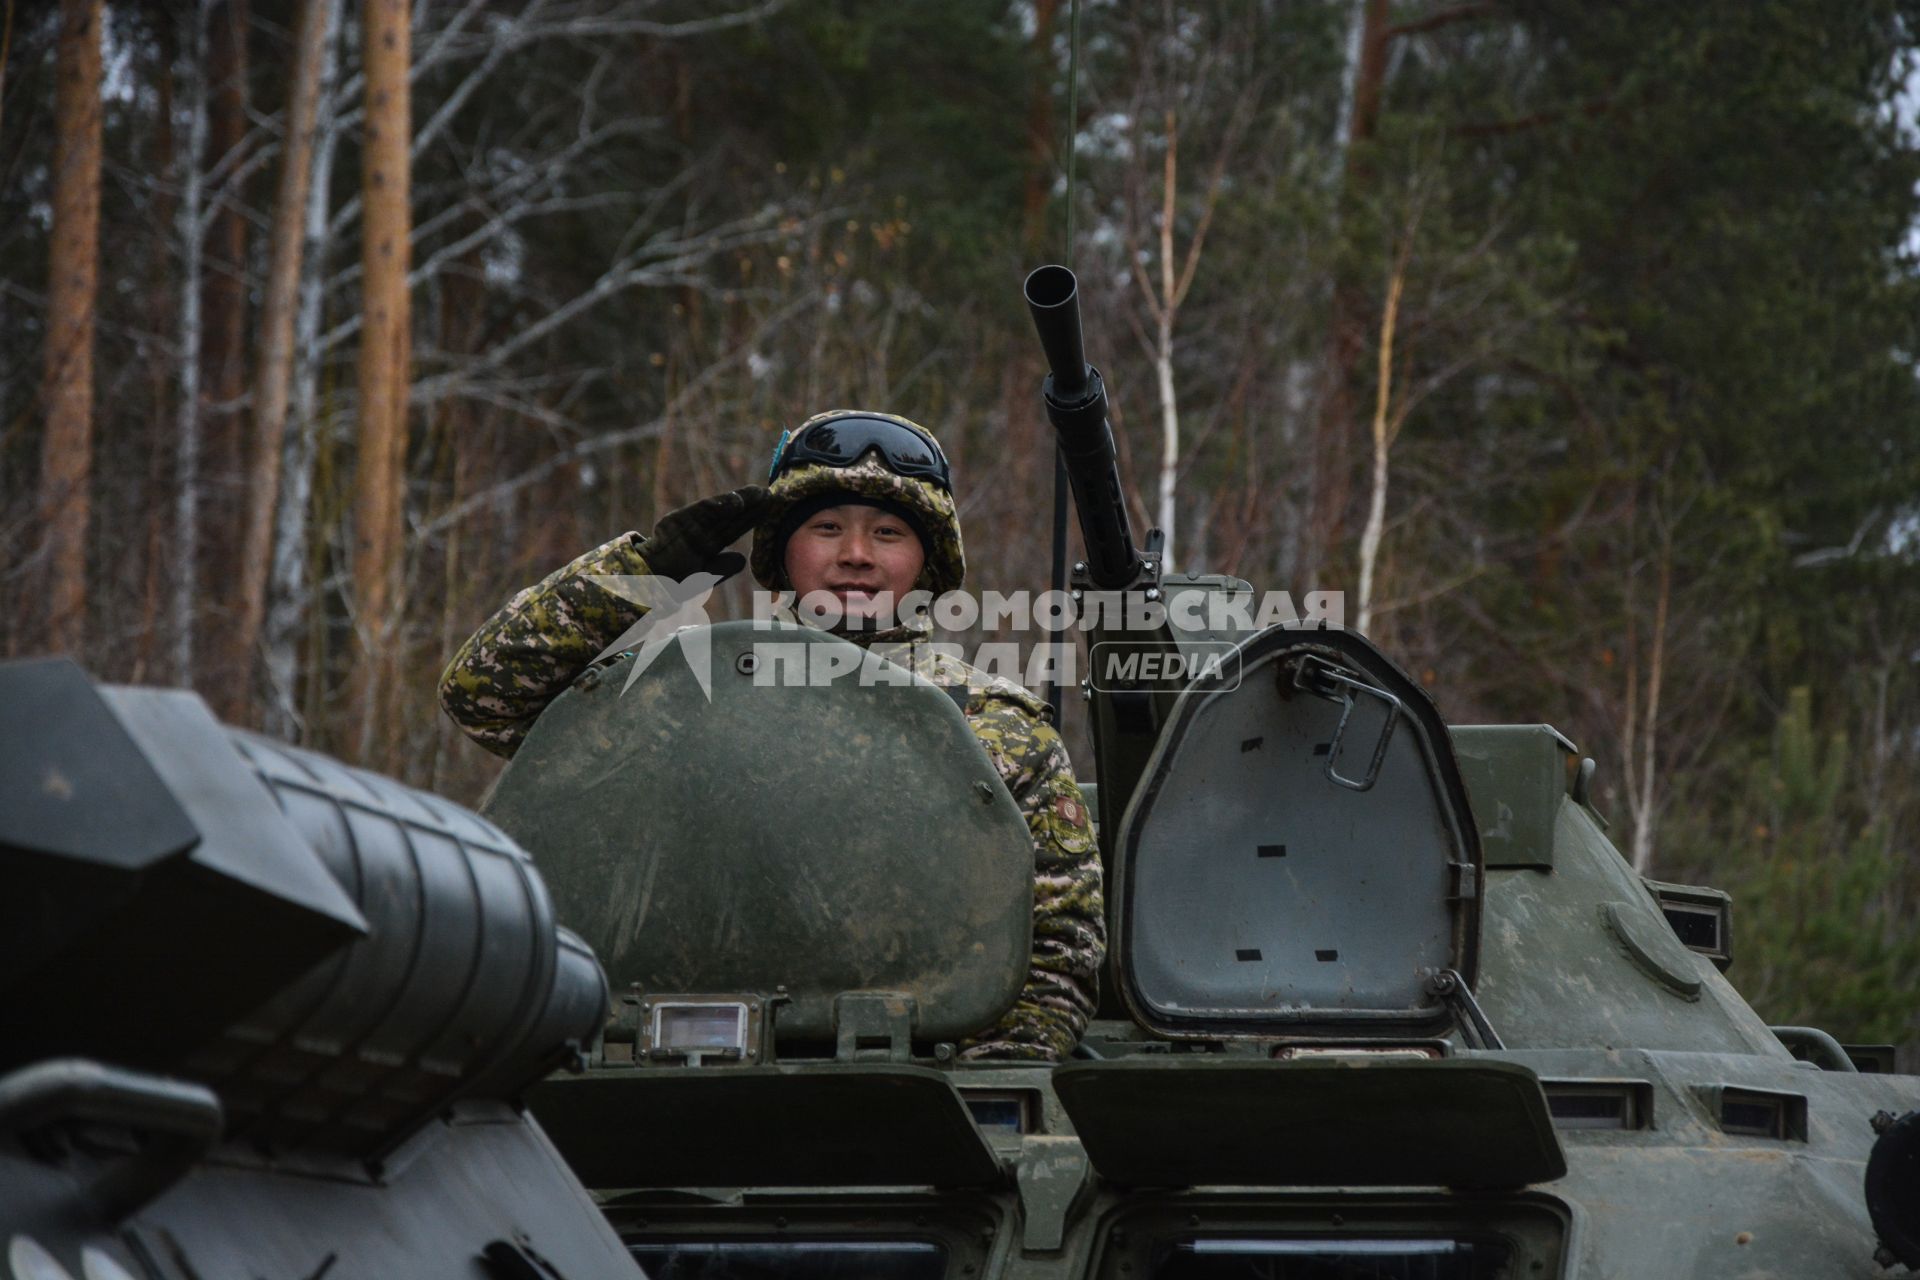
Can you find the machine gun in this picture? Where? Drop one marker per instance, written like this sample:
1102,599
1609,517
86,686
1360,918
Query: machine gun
1133,636
1076,400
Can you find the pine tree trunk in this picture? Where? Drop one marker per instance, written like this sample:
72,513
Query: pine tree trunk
379,473
66,469
273,375
1041,142
223,310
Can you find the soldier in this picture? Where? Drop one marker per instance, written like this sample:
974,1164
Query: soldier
859,506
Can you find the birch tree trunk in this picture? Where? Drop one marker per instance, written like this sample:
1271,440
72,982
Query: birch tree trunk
1177,273
1329,466
191,230
1642,801
66,468
1385,428
273,373
1169,436
384,358
1370,37
1352,51
1639,738
1163,349
287,585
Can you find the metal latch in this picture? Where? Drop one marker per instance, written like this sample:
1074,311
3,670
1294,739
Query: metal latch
1325,680
873,1026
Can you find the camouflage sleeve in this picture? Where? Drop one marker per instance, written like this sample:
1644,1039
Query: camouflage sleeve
524,656
1069,916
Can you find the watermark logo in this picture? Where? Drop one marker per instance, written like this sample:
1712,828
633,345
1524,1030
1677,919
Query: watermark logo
1185,610
674,611
1122,665
1137,644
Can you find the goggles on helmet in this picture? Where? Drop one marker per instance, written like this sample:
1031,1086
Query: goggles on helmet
841,442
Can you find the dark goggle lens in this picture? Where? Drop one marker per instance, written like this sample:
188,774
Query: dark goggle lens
843,441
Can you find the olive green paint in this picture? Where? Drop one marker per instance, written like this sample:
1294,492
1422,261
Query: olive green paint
699,846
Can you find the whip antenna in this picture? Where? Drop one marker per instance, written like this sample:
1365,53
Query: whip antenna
1059,576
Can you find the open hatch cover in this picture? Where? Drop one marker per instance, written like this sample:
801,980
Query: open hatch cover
1175,1121
1300,859
844,1125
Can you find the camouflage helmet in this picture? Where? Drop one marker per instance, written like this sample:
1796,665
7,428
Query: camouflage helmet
930,508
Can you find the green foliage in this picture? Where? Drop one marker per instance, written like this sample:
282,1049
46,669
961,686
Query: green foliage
1661,318
1824,930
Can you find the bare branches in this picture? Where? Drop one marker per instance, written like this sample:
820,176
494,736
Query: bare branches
553,463
657,262
1441,18
617,20
1166,90
541,20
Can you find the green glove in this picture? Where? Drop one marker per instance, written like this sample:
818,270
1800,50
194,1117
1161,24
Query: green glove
696,537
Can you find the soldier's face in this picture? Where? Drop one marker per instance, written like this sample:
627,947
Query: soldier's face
863,557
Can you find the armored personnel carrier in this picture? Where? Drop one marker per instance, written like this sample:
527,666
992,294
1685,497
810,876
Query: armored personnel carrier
1383,1000
266,1016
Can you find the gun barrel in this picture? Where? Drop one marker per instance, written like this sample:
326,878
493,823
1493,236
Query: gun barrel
1076,401
1053,296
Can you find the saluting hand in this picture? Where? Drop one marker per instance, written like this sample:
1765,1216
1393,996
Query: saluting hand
696,537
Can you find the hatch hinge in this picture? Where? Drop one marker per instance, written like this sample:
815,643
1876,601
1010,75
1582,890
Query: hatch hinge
1463,882
1472,1020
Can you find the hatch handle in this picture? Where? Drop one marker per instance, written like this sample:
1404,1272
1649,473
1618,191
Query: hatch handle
181,1121
1325,680
1821,1048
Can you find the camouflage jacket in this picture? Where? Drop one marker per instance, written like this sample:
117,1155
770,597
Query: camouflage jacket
524,656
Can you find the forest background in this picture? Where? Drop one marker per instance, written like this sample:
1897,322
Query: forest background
1576,343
